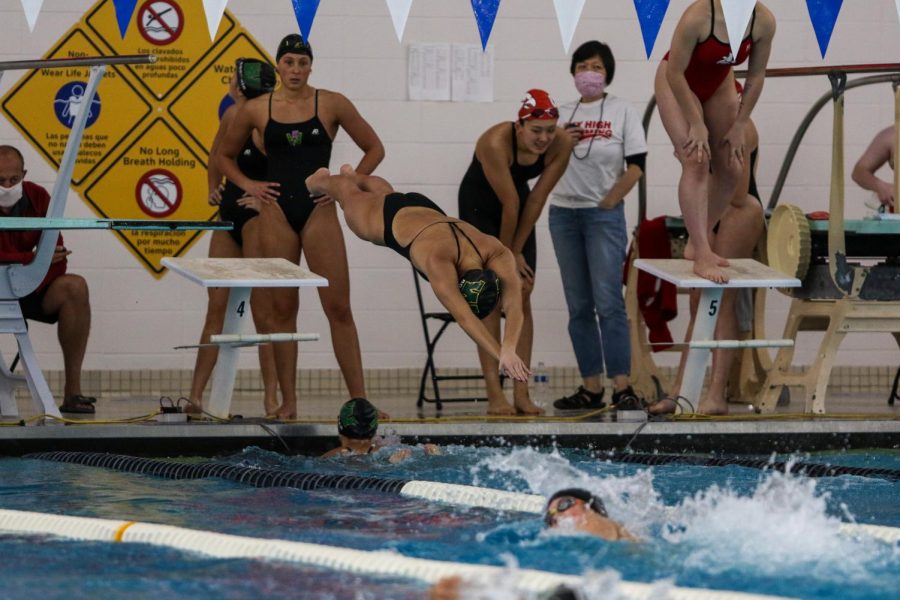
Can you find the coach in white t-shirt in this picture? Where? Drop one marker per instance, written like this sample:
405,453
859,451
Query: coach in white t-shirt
587,224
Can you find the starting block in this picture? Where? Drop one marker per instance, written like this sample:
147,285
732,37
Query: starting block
241,275
743,273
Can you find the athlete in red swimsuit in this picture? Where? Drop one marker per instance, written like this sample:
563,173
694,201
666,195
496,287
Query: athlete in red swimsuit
705,119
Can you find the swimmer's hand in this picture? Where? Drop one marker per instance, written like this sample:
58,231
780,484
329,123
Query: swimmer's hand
734,143
59,254
524,270
264,190
447,588
215,195
697,143
513,366
400,455
321,199
432,450
885,193
253,203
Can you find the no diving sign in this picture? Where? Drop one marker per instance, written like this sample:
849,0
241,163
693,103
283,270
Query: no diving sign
158,193
161,21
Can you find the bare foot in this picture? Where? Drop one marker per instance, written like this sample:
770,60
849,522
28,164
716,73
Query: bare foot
382,416
712,407
314,181
286,412
193,408
708,267
690,253
270,405
500,408
527,407
663,406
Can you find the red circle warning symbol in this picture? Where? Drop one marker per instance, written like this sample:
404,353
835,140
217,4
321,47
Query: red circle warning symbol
161,21
158,193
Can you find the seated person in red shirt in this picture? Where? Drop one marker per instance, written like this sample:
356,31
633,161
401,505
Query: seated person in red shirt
61,297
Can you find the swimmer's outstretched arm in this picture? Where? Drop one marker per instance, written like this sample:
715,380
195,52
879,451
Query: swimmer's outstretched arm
502,261
444,280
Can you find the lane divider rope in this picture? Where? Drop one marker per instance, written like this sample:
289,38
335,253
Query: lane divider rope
447,493
377,563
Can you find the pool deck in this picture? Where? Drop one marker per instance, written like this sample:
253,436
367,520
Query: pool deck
856,422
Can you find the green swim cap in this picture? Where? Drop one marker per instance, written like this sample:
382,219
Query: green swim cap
481,289
358,419
254,77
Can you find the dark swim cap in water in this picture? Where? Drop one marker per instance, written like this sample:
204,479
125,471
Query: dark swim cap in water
590,500
358,419
293,43
481,289
254,77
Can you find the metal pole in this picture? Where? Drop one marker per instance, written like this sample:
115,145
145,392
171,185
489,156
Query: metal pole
91,61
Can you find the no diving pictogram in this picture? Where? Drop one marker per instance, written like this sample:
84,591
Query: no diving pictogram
158,193
161,21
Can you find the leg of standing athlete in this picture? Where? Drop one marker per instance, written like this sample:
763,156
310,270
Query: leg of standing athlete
275,309
693,187
326,255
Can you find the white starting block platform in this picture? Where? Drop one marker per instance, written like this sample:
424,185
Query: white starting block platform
241,275
743,273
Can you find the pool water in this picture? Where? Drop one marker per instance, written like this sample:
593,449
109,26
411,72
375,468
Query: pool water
728,528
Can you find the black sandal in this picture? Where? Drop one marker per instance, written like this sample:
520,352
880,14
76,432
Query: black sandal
580,400
78,404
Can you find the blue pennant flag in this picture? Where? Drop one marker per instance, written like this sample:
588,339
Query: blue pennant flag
650,14
485,13
823,14
124,12
306,13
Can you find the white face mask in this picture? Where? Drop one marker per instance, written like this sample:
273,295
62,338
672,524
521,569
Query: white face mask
9,196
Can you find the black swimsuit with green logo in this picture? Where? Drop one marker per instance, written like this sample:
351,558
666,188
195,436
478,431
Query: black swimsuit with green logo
295,151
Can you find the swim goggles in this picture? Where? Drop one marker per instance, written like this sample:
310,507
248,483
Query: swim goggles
565,504
537,113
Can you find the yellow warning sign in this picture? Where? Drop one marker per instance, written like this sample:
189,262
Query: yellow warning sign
174,30
150,127
157,176
198,107
43,107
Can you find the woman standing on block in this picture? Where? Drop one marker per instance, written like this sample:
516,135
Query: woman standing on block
704,118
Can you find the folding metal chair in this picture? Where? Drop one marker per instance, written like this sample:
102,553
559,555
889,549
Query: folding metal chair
430,371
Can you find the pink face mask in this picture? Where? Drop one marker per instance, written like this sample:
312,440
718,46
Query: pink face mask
590,84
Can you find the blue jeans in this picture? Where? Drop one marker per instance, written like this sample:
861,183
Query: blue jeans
590,249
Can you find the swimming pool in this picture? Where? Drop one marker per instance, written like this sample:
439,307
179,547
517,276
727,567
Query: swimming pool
721,528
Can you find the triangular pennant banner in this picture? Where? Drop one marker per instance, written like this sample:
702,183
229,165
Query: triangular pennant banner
737,16
898,8
399,10
124,12
32,8
651,14
306,14
823,14
214,11
485,13
568,12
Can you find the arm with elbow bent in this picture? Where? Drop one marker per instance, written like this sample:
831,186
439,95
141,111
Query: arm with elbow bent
876,155
493,152
362,134
442,274
238,131
557,159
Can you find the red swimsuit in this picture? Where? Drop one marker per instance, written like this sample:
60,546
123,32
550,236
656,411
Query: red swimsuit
712,60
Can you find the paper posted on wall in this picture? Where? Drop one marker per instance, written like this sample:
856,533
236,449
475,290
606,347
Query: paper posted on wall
457,72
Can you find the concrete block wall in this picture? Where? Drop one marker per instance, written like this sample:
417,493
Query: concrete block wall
138,319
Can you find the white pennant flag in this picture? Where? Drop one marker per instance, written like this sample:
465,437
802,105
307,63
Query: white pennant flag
568,12
737,17
898,8
399,10
214,11
31,8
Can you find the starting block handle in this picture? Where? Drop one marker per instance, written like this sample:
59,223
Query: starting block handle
262,338
715,344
